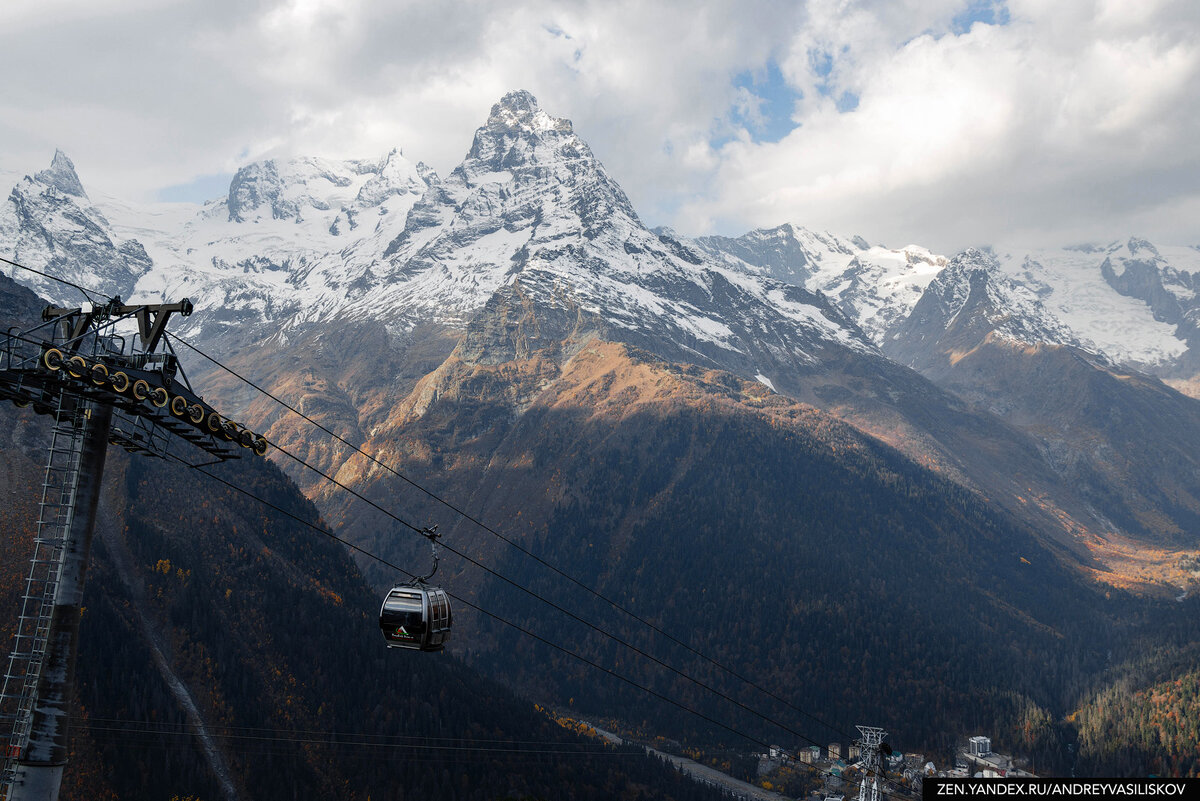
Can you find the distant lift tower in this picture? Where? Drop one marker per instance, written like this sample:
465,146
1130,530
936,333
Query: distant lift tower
103,373
871,740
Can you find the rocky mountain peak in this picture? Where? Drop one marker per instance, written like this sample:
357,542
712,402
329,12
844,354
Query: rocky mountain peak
519,111
254,185
1142,248
974,260
530,234
973,272
428,174
971,299
527,179
62,176
520,134
48,222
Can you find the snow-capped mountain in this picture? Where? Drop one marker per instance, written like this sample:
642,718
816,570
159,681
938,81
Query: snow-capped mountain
249,258
300,241
873,285
1124,442
1049,342
1130,302
529,209
49,223
1123,300
370,288
972,297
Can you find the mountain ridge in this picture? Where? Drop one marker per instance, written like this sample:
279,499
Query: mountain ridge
515,335
531,234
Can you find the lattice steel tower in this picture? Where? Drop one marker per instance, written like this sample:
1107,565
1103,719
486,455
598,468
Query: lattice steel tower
871,740
101,379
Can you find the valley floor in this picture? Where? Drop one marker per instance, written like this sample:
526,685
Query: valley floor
701,773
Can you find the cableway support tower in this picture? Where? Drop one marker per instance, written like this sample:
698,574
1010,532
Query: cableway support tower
103,373
871,740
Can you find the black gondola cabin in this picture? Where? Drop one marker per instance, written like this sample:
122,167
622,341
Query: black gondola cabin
416,617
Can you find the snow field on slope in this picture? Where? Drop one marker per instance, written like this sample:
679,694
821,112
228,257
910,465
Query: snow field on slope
1071,288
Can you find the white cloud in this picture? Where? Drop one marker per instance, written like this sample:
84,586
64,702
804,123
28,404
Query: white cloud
1066,122
1076,118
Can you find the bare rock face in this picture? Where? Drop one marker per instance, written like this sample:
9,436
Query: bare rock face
254,186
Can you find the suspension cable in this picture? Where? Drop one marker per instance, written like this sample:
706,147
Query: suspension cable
492,531
501,619
554,605
88,293
467,516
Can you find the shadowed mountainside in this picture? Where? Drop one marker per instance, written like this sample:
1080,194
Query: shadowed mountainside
201,598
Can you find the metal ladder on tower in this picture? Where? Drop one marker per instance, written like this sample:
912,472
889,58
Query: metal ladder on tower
56,510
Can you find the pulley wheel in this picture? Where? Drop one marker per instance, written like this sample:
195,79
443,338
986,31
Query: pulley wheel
53,359
141,390
214,422
99,374
260,446
196,413
159,397
77,366
179,406
120,381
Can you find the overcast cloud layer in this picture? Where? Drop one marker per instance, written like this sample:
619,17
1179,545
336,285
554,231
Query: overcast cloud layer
942,122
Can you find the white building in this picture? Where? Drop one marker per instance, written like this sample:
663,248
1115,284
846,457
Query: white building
979,746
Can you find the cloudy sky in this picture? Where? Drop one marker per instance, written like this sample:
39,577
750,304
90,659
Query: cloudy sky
942,122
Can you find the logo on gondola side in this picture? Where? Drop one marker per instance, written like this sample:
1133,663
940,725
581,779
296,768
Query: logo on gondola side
402,632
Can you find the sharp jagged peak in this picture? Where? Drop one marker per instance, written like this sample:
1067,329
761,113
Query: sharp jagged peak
532,170
518,133
519,111
974,291
62,176
971,269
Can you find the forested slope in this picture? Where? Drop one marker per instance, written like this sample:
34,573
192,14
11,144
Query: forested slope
207,611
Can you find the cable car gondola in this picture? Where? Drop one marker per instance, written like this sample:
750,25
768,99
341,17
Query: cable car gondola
415,615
